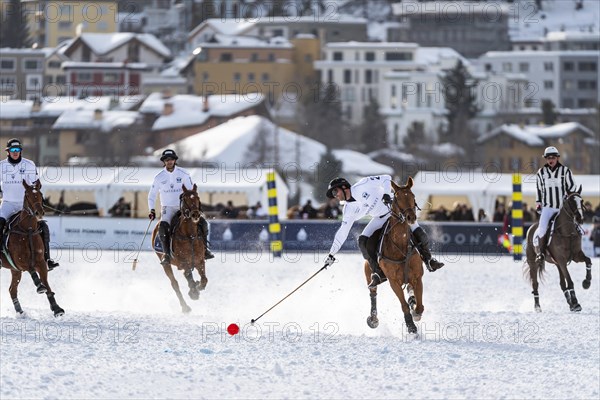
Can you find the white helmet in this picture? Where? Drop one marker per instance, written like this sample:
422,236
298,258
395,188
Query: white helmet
551,151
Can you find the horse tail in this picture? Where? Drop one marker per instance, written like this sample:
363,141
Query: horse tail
531,268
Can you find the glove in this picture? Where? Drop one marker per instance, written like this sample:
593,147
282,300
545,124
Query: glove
538,208
152,215
387,200
329,261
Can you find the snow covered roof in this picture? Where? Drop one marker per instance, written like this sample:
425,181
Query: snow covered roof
85,119
55,106
534,135
232,26
104,65
15,109
233,144
188,109
102,43
572,35
435,55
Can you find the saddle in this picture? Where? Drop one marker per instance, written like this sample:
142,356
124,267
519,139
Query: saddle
6,233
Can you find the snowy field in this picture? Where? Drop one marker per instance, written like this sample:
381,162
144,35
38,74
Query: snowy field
123,335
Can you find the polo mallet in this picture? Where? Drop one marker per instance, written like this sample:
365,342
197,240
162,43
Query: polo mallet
140,249
276,304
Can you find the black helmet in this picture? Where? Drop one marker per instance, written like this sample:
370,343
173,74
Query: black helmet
13,143
168,153
336,183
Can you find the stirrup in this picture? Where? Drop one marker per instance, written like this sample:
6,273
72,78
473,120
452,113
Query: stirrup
540,257
376,280
51,264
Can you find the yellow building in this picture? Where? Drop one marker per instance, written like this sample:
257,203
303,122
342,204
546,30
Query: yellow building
514,148
246,65
53,22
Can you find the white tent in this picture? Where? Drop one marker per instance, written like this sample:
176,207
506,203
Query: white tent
108,184
482,189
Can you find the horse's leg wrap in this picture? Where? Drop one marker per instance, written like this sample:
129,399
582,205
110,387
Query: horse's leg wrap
377,275
203,230
422,243
164,235
45,231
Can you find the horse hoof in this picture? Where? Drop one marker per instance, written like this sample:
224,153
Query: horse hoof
373,322
59,312
538,309
576,308
42,289
586,284
416,317
186,309
412,329
194,294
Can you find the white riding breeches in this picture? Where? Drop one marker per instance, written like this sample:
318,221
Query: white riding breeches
546,215
167,213
8,208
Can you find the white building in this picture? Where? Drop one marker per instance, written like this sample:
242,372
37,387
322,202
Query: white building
568,78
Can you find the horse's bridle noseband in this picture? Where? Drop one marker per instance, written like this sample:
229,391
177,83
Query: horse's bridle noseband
188,212
401,216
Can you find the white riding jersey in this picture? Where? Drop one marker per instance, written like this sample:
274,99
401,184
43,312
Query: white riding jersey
169,185
366,200
12,176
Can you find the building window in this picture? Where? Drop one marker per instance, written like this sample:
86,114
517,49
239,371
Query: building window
226,57
587,66
523,67
507,67
31,65
548,84
568,66
251,77
568,102
370,56
271,57
237,76
368,76
586,103
205,76
398,56
254,57
585,85
308,58
110,77
338,56
568,84
348,94
329,75
61,79
548,66
84,77
347,76
54,64
265,77
7,64
488,67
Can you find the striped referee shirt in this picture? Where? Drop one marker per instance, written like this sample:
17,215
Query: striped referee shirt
553,185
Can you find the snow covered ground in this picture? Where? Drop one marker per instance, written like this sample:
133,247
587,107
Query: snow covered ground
123,335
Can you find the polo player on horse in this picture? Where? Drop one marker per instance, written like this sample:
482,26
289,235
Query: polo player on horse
371,196
13,171
168,182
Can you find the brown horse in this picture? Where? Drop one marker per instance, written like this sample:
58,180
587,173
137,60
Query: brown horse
187,247
24,250
399,260
564,247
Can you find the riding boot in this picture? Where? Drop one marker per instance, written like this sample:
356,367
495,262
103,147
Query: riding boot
541,255
45,231
164,235
422,243
2,225
377,275
203,230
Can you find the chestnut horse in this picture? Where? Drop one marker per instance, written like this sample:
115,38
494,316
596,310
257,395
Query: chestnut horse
564,247
399,260
187,246
24,251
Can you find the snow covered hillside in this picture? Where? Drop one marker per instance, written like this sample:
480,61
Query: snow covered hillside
123,335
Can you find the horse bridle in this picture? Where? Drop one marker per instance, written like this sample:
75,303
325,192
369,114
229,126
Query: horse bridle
29,207
568,210
187,213
401,216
